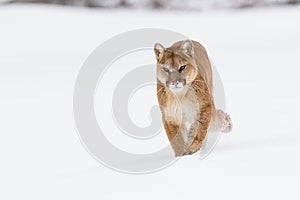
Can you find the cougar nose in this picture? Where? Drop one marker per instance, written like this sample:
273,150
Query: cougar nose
175,83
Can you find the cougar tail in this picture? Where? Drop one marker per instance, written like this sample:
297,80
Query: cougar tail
221,121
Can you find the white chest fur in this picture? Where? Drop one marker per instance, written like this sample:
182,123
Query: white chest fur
189,113
183,112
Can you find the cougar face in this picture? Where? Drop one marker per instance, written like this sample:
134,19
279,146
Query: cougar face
174,68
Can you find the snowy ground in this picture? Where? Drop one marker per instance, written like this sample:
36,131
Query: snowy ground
257,54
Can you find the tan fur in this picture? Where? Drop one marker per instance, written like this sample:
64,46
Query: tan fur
189,113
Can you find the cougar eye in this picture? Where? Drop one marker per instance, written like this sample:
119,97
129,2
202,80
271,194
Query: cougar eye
182,68
166,69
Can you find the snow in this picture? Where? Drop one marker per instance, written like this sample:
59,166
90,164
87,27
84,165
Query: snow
165,4
256,52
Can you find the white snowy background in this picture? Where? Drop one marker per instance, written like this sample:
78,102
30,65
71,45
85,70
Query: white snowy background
256,52
163,4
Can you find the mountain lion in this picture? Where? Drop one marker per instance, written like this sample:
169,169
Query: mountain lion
184,92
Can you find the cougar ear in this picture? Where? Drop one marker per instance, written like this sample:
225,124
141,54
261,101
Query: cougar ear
159,51
188,48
